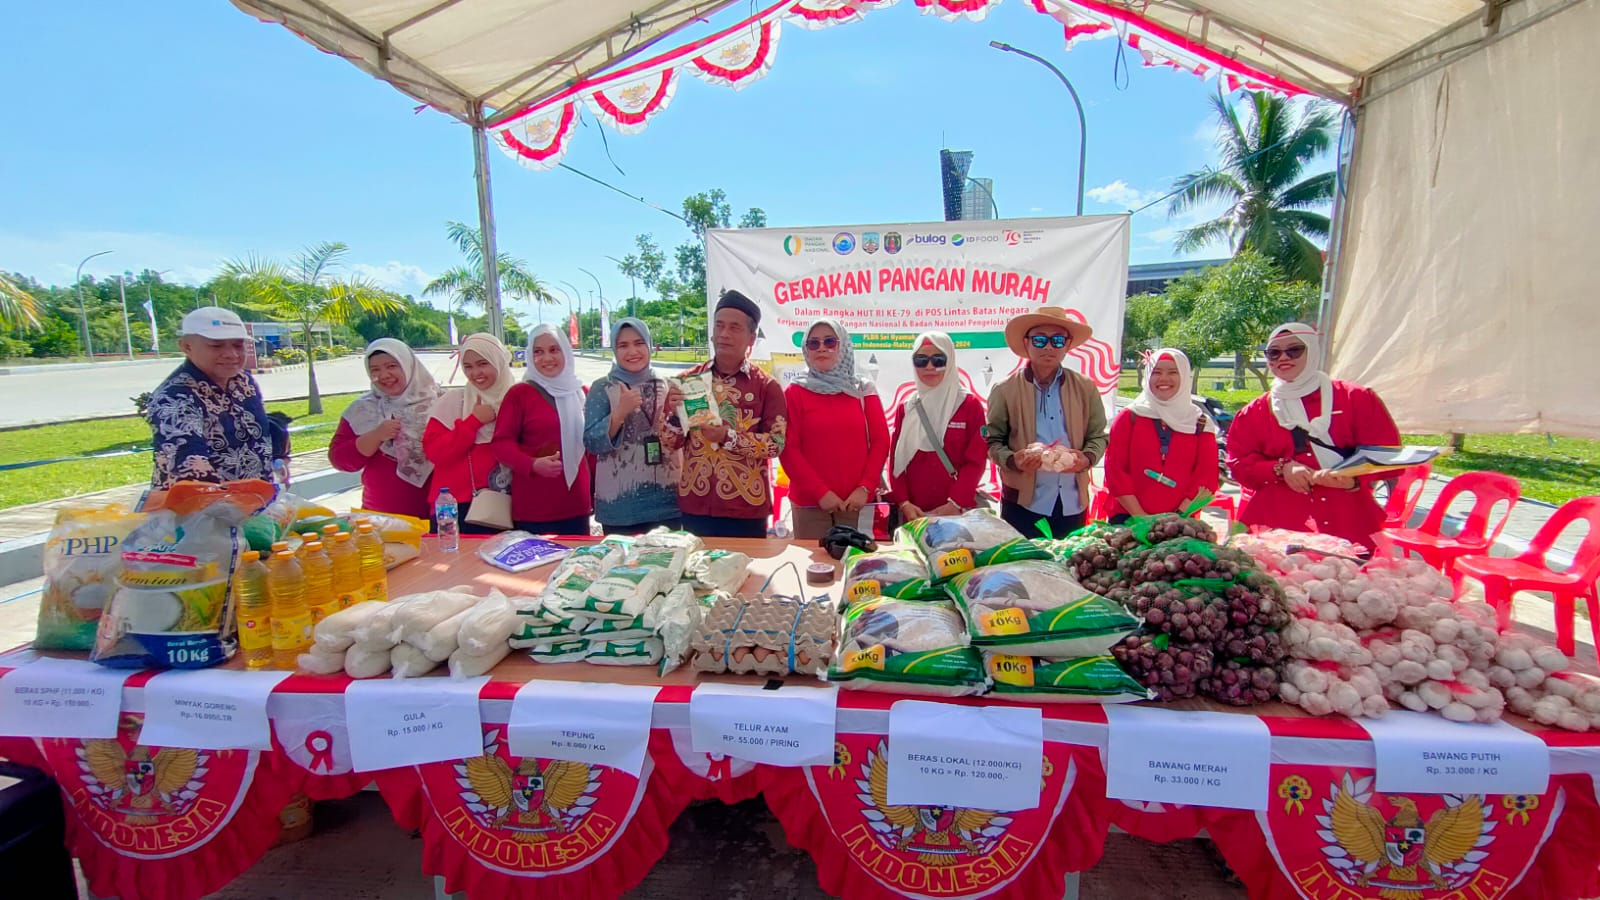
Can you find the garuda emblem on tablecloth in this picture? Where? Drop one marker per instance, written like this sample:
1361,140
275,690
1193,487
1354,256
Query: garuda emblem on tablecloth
535,801
937,835
1384,842
142,783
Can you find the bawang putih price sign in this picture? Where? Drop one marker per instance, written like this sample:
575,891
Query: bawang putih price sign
888,283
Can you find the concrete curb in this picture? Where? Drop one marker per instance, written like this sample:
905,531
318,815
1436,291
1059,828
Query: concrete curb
23,558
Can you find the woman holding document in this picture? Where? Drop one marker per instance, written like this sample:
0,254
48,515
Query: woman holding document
1284,446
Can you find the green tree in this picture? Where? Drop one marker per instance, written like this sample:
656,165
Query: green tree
306,292
464,283
1272,208
754,217
706,210
18,309
1233,308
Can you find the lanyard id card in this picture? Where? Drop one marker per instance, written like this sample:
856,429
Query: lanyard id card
652,451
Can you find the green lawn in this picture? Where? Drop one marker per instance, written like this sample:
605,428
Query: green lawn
691,355
65,479
1552,469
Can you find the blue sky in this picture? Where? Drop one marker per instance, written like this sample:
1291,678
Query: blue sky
184,134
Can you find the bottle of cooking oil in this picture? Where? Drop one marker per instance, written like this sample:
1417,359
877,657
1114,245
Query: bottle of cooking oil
374,577
253,610
321,599
346,569
291,621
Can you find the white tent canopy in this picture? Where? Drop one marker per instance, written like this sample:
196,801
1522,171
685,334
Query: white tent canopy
1460,286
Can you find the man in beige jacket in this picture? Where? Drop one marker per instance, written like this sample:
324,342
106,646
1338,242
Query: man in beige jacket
1044,404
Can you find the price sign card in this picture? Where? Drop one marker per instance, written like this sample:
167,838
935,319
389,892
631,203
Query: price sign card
790,726
209,709
976,757
62,698
1179,756
411,721
605,724
1420,753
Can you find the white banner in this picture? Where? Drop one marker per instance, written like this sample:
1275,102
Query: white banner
887,283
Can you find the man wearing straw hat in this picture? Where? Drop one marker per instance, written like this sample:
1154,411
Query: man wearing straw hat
1040,406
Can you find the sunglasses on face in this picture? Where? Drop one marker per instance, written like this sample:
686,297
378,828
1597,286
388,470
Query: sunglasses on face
832,343
1292,352
938,361
1041,341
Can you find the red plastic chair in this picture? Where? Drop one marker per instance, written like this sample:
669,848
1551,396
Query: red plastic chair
1404,492
1488,489
1528,571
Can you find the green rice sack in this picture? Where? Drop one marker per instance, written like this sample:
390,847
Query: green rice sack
905,647
955,544
893,571
1090,679
1038,609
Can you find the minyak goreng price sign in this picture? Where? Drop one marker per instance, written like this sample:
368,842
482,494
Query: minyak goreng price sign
887,283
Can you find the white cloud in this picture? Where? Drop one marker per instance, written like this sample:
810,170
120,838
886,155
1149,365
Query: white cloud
402,278
1120,194
53,258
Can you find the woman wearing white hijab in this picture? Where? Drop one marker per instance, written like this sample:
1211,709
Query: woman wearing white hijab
838,436
539,434
1162,452
461,424
941,416
380,434
1282,445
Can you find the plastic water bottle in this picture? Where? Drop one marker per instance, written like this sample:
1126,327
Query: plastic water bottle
291,621
374,576
253,610
446,521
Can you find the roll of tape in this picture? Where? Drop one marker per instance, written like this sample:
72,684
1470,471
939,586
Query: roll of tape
819,573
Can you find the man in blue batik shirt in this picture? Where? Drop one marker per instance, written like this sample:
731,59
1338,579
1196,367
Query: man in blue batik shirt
207,418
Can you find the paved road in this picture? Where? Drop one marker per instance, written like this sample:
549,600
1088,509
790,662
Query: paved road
37,395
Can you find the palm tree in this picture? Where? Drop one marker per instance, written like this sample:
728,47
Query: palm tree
307,292
18,309
465,283
1271,209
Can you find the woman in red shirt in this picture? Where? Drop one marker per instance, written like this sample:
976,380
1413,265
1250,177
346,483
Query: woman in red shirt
920,480
1281,446
539,434
1162,452
380,434
838,437
461,425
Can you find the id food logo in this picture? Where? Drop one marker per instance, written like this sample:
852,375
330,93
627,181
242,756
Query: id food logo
843,243
957,240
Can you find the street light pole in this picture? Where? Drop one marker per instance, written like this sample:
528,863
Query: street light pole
633,292
1083,125
598,324
127,330
578,305
77,284
155,340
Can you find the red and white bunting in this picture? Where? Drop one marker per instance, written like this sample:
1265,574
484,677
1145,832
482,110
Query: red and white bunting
539,140
815,15
955,10
627,104
739,59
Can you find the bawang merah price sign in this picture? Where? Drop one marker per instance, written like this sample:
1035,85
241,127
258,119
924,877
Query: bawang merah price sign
888,283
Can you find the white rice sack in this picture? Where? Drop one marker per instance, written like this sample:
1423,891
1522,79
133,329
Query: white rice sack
440,641
471,665
717,570
419,617
406,661
488,625
337,632
366,662
318,661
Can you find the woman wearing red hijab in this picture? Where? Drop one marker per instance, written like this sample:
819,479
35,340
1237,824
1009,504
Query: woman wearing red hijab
1282,445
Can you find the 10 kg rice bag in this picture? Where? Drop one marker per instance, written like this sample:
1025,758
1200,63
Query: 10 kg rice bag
907,647
82,559
955,544
1092,679
1038,609
892,571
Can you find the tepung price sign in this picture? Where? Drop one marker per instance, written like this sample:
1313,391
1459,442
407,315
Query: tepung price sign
886,283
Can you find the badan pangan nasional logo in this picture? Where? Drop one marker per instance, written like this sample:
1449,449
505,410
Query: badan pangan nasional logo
792,244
